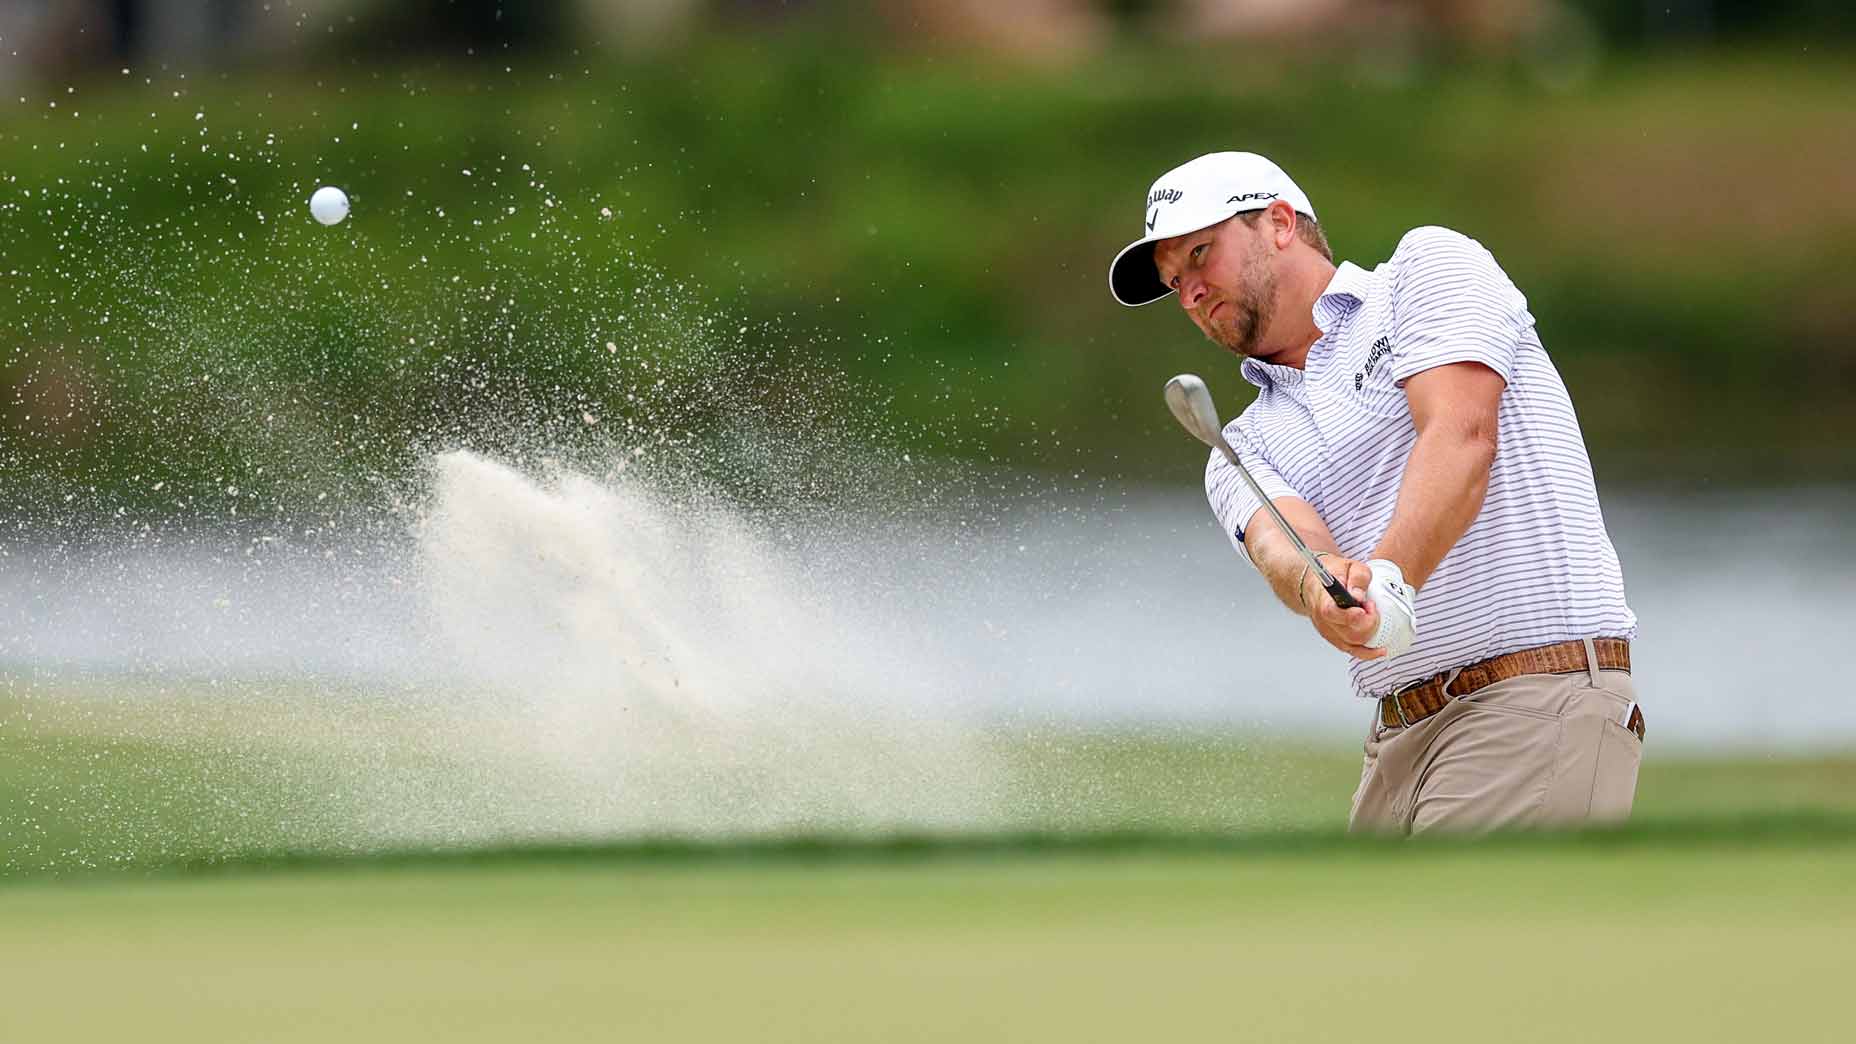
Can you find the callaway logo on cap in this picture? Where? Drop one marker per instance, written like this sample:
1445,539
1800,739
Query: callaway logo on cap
1192,196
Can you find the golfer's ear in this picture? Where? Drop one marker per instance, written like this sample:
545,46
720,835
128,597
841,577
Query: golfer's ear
1282,224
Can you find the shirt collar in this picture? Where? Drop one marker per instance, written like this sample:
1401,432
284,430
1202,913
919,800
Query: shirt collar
1263,374
1347,290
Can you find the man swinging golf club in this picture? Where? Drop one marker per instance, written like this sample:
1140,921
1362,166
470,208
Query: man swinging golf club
1411,431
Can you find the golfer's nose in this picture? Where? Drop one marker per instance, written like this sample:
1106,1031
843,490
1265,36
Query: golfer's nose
1191,292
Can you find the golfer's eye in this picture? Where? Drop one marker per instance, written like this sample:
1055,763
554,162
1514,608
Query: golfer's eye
1198,253
1173,282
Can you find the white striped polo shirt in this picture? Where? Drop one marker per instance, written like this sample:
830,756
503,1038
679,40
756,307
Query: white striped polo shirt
1536,566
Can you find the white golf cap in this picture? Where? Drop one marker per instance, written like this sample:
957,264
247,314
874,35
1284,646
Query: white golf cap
1192,196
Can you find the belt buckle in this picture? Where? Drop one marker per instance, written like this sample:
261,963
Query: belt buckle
1399,708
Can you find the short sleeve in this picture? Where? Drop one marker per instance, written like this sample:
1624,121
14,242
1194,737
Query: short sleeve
1452,303
1230,496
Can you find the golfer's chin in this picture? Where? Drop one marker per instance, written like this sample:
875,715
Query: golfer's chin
1243,348
1255,346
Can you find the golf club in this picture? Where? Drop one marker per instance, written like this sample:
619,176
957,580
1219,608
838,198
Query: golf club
1191,403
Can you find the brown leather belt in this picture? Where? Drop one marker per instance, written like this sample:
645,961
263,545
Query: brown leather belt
1421,699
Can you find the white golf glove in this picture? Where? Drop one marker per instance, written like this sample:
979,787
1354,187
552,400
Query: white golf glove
1398,615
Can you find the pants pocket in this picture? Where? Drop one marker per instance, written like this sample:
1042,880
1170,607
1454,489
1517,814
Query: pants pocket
1594,771
1614,784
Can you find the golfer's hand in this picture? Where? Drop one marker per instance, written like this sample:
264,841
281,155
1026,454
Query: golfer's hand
1345,629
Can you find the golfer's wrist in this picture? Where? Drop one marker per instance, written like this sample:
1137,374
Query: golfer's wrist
1301,583
1404,571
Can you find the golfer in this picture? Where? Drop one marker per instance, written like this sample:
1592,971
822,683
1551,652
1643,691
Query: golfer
1410,426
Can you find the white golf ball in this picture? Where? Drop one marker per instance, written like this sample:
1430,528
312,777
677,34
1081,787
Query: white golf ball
329,205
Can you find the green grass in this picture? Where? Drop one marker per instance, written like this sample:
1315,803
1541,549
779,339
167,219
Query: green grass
176,874
1698,940
102,775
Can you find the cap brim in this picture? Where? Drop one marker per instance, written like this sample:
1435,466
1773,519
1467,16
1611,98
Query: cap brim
1132,277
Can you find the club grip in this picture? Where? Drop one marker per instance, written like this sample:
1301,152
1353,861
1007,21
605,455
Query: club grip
1342,597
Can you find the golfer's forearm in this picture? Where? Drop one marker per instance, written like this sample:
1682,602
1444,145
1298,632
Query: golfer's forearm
1281,566
1276,558
1445,481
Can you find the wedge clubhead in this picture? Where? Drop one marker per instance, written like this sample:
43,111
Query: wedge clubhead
1191,403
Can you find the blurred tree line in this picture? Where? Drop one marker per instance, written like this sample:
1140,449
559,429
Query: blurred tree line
60,36
558,236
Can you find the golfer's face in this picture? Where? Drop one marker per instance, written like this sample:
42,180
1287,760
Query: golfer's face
1223,281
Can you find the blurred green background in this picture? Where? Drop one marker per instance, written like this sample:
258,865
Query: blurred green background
921,197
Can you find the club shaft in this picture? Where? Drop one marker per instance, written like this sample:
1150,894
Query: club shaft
1340,594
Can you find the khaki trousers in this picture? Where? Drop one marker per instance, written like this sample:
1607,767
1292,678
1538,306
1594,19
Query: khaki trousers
1537,750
